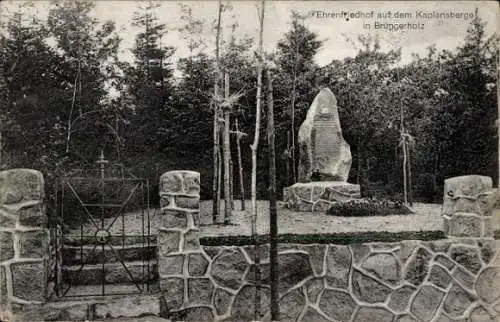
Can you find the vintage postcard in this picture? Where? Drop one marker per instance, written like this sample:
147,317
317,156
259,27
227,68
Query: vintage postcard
260,160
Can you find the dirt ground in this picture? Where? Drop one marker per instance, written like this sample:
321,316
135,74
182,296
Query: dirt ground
426,217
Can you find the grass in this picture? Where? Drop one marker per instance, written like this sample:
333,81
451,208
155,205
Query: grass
341,238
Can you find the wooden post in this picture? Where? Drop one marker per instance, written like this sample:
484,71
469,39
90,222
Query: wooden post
216,157
219,173
227,156
273,213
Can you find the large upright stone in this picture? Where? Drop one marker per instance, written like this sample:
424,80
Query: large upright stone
322,147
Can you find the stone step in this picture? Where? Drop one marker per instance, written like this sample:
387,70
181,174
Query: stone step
95,292
77,240
113,273
144,308
92,254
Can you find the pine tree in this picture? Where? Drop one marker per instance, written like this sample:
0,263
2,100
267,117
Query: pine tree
148,81
89,51
30,90
469,113
295,59
368,92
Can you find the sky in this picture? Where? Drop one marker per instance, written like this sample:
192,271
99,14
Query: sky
421,26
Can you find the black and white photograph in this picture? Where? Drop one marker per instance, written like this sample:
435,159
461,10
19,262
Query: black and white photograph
249,161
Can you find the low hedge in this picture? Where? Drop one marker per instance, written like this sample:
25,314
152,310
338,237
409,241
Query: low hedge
338,238
368,207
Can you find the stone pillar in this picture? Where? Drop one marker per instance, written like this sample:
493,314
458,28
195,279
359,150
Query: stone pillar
467,207
23,239
179,251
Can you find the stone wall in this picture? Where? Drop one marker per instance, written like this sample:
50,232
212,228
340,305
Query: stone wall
23,239
454,279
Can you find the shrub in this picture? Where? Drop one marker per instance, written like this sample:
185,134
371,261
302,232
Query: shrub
368,207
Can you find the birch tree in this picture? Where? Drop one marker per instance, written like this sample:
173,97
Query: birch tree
227,154
255,144
216,157
254,148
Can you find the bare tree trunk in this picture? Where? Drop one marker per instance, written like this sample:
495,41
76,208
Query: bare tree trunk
1,142
273,213
403,142
293,134
231,183
240,165
219,170
294,97
254,148
287,159
215,208
227,156
73,101
410,188
405,195
118,140
215,187
359,158
437,161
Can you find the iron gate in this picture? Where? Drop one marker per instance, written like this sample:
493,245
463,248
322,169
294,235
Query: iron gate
103,244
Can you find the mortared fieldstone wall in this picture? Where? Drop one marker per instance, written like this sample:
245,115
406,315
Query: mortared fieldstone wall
454,279
24,239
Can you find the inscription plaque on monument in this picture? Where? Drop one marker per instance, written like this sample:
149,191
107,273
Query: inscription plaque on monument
325,145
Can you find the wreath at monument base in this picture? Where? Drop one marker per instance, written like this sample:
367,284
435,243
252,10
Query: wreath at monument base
368,207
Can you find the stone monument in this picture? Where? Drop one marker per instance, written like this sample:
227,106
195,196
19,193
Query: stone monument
324,159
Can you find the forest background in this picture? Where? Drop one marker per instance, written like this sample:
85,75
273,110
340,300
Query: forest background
69,88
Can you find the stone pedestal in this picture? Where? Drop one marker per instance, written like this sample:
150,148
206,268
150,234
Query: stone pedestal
467,207
319,195
24,239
